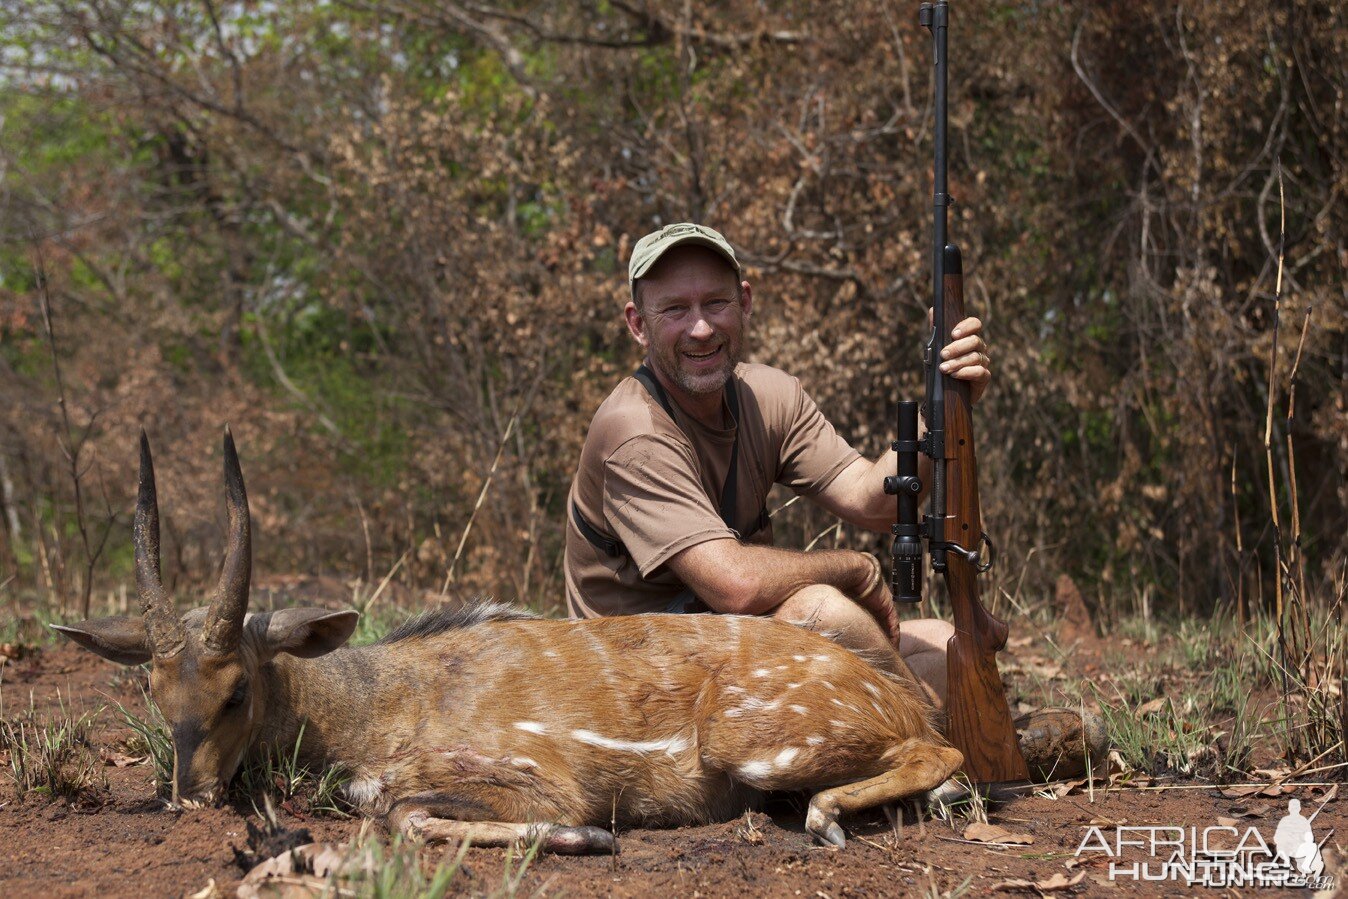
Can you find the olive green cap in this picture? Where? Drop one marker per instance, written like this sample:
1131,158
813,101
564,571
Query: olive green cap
654,245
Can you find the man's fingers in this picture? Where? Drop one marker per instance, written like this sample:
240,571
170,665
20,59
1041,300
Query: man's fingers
963,347
968,360
969,326
891,623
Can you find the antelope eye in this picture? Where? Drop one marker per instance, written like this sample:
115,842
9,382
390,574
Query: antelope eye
237,698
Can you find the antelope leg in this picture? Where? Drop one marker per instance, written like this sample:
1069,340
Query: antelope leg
420,821
920,768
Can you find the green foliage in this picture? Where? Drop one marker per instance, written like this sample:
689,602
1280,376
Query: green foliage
1206,729
151,738
51,756
395,871
277,772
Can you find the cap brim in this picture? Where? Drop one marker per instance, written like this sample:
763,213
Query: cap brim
682,241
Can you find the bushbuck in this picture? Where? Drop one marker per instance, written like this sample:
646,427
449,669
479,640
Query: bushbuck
492,724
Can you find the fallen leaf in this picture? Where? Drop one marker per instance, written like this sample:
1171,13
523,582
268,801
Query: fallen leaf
1254,811
1151,706
122,760
1275,790
1057,882
1067,788
1244,791
303,871
1227,822
991,833
1272,773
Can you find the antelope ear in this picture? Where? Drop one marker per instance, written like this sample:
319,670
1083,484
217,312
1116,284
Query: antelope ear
118,639
309,632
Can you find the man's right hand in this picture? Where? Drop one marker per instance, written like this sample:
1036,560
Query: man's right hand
874,597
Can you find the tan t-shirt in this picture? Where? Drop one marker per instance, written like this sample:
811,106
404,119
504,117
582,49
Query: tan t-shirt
655,484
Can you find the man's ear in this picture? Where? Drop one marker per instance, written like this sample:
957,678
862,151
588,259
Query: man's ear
636,325
308,633
120,640
746,298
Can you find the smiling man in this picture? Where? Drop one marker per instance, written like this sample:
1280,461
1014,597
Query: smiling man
659,520
667,506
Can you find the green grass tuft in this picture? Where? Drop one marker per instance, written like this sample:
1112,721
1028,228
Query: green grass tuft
52,757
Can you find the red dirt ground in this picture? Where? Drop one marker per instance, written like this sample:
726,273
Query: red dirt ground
126,843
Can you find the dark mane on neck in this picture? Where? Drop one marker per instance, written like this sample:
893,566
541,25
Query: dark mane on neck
447,617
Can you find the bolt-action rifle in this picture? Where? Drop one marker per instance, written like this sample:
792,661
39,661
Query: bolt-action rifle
979,722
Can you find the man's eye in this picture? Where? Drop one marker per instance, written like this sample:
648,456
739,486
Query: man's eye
718,305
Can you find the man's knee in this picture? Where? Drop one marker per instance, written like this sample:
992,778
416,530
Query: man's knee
820,608
924,636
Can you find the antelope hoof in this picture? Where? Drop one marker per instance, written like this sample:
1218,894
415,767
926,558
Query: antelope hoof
824,828
832,836
579,841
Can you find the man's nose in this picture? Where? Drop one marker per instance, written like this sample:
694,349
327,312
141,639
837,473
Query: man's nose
701,330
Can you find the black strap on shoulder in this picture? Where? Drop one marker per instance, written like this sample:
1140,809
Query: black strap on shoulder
614,548
609,546
732,398
655,389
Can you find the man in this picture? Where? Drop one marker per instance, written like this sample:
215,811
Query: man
660,519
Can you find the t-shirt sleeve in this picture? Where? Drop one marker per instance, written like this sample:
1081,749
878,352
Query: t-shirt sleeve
813,453
655,503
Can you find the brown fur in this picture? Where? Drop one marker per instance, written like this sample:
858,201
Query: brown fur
487,715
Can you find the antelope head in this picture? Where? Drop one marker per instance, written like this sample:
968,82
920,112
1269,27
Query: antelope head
207,666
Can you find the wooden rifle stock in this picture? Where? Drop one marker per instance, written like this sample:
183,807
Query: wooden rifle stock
979,722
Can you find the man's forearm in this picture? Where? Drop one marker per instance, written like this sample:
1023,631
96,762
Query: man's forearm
745,579
876,510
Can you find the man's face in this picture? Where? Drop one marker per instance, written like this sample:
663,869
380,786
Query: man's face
691,321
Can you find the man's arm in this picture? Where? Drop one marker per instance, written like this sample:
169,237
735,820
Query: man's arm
857,495
746,579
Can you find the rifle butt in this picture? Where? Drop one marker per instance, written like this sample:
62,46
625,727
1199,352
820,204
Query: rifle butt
978,719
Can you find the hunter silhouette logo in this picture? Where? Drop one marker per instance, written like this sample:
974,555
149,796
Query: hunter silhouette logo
1204,856
1295,841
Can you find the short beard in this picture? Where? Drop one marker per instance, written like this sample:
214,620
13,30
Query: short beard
703,384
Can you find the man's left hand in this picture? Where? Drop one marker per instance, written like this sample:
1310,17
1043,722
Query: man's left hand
966,357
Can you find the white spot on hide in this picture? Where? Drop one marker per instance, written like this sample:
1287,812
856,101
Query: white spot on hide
761,672
813,741
785,757
829,685
870,688
792,686
523,761
799,709
669,746
532,727
753,770
798,658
